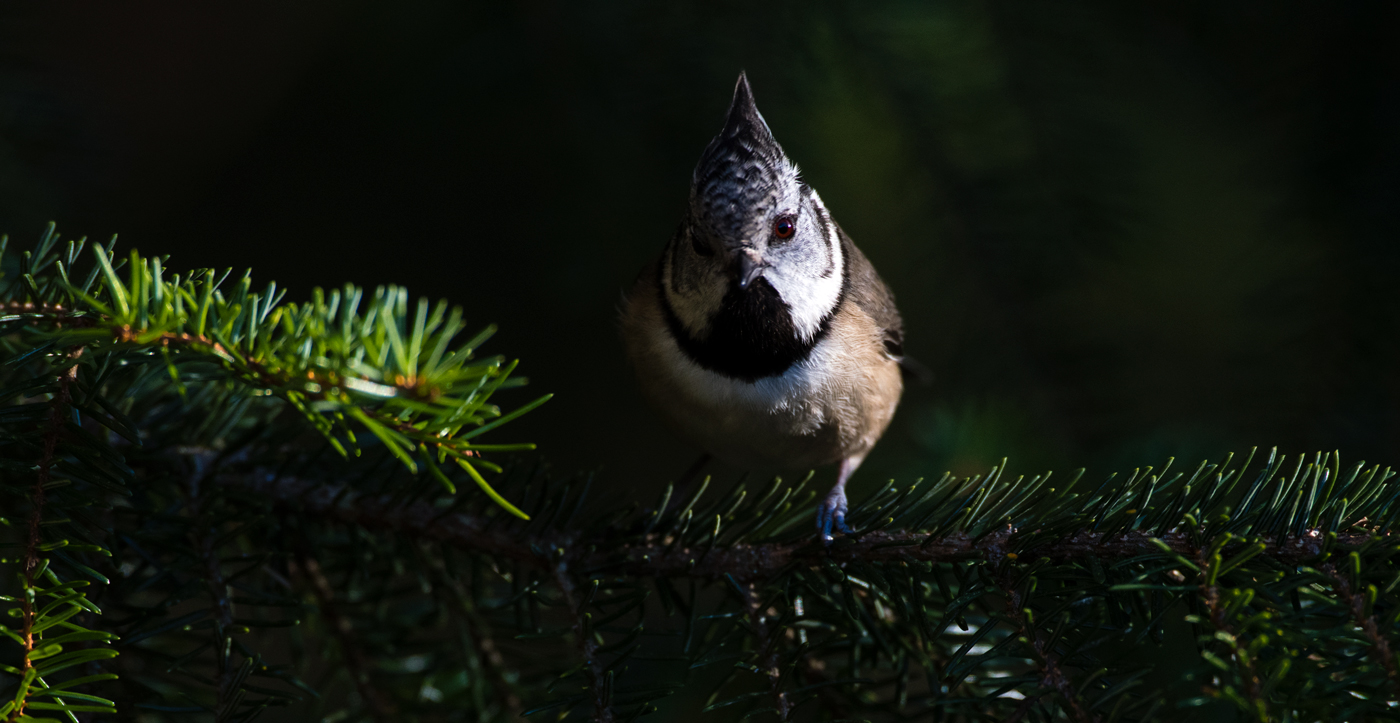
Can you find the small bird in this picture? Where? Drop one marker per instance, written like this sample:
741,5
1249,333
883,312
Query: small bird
762,334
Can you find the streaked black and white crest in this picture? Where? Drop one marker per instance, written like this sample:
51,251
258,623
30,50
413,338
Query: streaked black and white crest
742,169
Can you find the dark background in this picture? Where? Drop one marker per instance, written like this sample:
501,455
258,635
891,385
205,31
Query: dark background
1118,231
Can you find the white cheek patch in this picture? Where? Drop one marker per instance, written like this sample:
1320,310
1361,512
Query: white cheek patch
811,298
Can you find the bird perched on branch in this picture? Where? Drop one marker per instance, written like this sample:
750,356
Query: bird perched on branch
762,334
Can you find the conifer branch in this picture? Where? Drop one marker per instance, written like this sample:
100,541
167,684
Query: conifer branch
654,555
226,683
53,432
394,373
1378,644
1240,655
357,663
593,669
1053,676
766,647
959,577
493,662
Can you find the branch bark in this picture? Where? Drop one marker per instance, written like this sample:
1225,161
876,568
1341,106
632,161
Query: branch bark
1244,662
656,555
1053,675
769,658
53,432
459,602
1379,644
356,662
223,622
588,647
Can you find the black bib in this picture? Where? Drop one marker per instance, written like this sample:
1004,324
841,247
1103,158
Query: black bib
751,337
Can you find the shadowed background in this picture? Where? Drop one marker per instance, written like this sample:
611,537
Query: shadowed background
1117,234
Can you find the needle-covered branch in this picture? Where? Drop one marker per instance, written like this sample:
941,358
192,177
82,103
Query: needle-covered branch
222,487
399,373
662,554
112,367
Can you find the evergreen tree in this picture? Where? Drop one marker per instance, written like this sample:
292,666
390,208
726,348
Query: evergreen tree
216,503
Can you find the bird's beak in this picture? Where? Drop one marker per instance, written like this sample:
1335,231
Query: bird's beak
751,266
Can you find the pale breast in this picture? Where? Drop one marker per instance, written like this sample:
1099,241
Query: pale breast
835,403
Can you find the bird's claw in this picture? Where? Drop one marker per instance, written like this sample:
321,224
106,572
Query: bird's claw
832,513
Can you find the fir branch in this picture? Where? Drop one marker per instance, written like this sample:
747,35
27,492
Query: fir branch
766,645
53,432
357,663
51,314
395,372
314,384
213,575
1207,561
598,676
1378,643
655,555
186,373
461,606
1053,675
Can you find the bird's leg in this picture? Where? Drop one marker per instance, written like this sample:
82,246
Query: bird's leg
832,512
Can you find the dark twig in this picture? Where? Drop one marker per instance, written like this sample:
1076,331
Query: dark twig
1053,675
460,604
356,662
53,432
770,660
496,666
223,620
656,556
588,646
1379,645
204,536
1216,611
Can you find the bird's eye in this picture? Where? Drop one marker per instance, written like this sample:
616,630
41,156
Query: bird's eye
784,228
700,247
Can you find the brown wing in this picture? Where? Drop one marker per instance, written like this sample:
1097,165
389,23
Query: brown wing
870,293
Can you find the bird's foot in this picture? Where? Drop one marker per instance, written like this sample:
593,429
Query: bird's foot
832,513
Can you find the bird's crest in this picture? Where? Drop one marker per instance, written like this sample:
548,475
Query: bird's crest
742,166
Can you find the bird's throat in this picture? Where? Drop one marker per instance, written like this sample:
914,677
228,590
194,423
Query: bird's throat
751,337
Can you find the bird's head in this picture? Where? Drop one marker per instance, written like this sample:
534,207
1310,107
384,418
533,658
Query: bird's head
756,241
